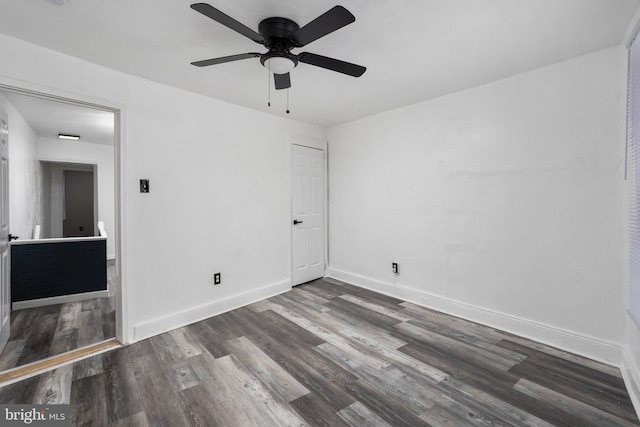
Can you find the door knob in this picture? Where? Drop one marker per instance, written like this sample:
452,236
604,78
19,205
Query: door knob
12,237
295,222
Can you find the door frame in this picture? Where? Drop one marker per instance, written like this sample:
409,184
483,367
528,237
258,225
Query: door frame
318,144
118,110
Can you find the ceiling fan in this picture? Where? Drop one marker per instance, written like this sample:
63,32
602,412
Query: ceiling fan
280,36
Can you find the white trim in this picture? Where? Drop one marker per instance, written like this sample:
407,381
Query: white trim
631,376
205,311
584,345
19,305
305,141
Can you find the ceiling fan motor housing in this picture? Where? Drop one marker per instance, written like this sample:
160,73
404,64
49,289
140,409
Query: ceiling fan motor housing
277,33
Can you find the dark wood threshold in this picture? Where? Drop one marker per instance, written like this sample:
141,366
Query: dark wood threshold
36,368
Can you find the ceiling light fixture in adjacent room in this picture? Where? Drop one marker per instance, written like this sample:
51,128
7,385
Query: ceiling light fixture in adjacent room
65,136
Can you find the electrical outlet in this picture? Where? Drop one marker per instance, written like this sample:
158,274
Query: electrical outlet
394,267
217,279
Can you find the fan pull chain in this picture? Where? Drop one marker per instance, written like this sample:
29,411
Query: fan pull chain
287,100
269,86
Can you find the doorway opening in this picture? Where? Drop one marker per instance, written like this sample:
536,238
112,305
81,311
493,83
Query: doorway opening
69,190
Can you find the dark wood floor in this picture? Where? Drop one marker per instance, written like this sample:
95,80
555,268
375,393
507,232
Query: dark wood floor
41,332
331,354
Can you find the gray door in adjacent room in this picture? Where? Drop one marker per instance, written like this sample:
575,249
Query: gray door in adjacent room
79,217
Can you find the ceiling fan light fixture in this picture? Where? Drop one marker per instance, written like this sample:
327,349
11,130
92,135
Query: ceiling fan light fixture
279,64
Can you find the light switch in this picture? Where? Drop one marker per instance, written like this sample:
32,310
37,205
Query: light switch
144,185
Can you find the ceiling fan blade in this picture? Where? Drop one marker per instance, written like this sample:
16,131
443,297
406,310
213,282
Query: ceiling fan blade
332,64
223,59
227,21
282,81
324,24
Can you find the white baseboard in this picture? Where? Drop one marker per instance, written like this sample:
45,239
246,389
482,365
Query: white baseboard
196,314
631,376
584,345
40,302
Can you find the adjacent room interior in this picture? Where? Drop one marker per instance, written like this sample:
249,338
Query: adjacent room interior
60,189
442,231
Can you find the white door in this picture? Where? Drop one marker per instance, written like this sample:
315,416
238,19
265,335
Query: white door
307,212
5,284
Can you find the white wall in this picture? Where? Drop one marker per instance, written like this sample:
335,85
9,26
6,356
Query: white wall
25,177
631,340
500,203
57,150
219,179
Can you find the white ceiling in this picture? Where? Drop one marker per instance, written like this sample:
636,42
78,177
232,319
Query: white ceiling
49,118
413,49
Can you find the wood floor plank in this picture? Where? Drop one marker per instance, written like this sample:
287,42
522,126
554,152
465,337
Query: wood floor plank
173,362
456,390
274,409
391,380
570,357
66,337
589,415
312,288
39,340
318,374
426,318
87,367
54,387
373,317
136,420
375,297
303,298
209,339
265,369
325,354
604,398
390,409
157,395
201,411
11,354
480,337
394,314
317,411
88,397
225,394
187,343
337,320
55,329
121,387
328,336
479,355
310,296
358,415
577,371
21,392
